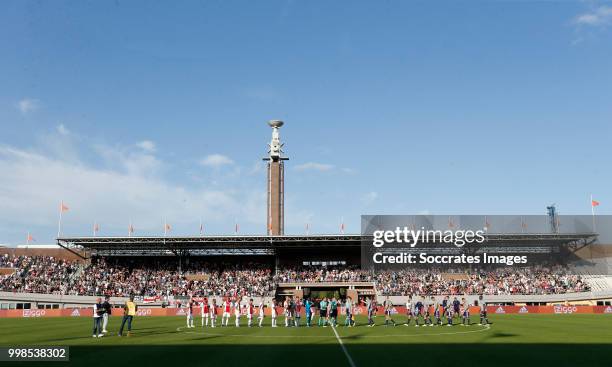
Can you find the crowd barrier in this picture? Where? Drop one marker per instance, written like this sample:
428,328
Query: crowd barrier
358,310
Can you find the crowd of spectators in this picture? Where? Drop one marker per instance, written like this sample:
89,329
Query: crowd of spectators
36,274
536,280
334,274
159,278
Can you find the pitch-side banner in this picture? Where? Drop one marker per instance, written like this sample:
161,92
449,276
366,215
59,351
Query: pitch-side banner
358,310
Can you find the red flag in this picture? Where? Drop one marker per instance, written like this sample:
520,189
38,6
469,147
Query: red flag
63,207
167,227
96,228
29,238
594,203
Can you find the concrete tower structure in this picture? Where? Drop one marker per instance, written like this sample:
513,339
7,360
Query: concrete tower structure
276,182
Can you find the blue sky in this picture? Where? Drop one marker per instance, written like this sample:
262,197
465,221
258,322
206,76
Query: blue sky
147,111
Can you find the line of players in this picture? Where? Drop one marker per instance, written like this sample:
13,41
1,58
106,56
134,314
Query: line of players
423,310
420,310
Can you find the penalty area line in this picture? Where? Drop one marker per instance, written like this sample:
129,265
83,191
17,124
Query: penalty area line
346,353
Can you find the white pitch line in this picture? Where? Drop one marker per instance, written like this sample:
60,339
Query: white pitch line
346,353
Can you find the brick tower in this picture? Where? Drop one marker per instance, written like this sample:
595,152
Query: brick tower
276,182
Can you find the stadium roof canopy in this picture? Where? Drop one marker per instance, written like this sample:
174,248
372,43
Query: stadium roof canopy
268,245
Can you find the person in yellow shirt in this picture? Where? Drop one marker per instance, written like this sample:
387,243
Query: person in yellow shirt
129,311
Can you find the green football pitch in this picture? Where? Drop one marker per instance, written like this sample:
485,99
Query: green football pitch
511,340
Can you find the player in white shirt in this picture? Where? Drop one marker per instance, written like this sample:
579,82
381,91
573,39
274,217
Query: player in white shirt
227,305
250,312
273,309
483,311
261,312
213,313
205,310
190,306
409,308
286,310
465,313
237,312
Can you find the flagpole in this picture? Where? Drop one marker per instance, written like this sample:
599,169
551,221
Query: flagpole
28,238
59,224
593,213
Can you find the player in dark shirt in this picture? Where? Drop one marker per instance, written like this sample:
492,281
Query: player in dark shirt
456,308
106,306
445,304
419,312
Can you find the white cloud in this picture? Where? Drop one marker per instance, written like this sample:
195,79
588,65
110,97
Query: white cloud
256,168
63,130
314,166
369,198
598,17
27,105
34,183
135,163
147,146
216,160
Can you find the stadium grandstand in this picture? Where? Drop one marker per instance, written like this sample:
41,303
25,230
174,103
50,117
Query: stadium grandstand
164,272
